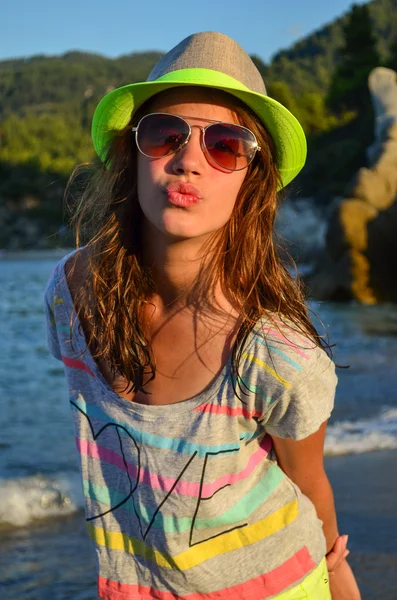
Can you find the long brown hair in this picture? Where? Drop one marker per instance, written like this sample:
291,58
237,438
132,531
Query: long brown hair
117,285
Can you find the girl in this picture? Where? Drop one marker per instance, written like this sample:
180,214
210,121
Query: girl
199,388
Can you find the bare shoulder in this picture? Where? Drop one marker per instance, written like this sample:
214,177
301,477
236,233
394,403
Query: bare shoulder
76,270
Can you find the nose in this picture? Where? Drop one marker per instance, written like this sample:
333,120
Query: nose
190,158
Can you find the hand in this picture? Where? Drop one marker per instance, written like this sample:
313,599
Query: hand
343,584
337,554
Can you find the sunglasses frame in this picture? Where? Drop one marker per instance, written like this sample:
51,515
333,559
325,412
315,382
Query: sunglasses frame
207,154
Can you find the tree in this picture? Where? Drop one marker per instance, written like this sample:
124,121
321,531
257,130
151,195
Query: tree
281,92
358,56
313,114
392,58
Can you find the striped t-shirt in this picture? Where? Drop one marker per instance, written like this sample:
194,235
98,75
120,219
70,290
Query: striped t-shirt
186,500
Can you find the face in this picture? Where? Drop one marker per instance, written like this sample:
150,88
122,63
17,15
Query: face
160,180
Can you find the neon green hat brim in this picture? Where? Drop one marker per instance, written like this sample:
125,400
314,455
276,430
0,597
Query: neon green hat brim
114,112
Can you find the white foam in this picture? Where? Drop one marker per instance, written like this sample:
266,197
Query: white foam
366,435
26,499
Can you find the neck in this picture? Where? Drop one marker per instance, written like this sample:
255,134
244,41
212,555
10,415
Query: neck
181,271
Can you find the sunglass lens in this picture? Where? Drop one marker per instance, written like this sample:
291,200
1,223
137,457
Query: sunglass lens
160,135
230,146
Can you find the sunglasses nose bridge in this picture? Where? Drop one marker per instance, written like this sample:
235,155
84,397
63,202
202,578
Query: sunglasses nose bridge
202,129
189,137
202,137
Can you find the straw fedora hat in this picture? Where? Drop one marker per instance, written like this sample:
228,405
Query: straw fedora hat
214,60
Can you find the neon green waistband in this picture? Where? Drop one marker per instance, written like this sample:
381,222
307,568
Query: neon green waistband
314,587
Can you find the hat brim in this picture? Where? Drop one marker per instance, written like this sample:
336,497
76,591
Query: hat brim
114,112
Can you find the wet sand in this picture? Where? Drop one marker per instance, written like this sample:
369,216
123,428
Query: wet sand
365,488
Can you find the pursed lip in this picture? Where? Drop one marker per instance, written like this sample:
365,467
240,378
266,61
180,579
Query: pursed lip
184,188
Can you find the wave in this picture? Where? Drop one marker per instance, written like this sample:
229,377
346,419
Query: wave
27,499
365,435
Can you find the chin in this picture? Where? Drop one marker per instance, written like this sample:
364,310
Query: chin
178,234
176,229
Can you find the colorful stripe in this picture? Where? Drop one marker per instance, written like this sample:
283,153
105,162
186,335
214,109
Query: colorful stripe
276,334
255,389
269,370
266,585
241,511
52,308
103,454
165,484
280,353
75,363
196,555
300,337
230,411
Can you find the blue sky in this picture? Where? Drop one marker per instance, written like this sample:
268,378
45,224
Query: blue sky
117,27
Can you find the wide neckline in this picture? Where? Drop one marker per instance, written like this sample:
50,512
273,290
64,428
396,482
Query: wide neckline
150,411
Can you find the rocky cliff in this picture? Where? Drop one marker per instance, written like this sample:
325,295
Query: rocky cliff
360,258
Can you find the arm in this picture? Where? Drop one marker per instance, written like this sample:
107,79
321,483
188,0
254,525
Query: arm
302,460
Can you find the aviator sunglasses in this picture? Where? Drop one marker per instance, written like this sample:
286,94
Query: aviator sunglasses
230,146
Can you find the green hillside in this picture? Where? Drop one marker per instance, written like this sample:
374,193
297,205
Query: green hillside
57,83
308,64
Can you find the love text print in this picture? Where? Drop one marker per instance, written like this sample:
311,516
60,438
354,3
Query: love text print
134,481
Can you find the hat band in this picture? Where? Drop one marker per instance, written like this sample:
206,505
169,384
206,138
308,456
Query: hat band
205,77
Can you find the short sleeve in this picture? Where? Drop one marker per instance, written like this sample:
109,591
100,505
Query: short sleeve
301,409
49,313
